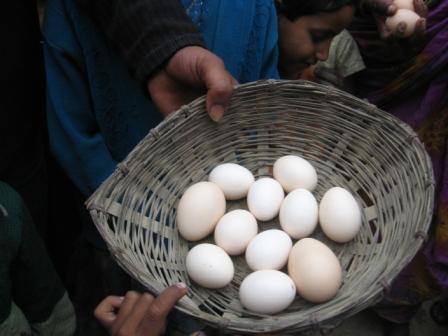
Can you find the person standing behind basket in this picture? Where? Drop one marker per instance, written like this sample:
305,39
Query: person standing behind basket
413,85
97,112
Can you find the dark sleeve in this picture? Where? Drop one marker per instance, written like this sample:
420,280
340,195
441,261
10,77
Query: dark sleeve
145,32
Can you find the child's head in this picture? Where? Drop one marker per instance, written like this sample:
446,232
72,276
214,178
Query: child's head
306,28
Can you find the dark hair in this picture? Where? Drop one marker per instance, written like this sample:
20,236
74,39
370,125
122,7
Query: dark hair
293,9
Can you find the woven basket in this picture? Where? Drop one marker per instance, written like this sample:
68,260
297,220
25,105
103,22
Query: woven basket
351,144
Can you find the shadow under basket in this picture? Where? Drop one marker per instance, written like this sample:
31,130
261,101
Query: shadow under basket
351,144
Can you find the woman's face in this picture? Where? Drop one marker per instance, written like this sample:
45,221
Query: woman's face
307,40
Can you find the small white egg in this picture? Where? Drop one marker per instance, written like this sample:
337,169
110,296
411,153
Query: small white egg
209,266
339,215
233,179
406,16
267,292
404,4
299,213
268,250
234,231
294,172
264,198
199,209
315,270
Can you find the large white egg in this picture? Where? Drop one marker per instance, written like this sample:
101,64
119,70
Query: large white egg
209,266
339,215
264,198
199,209
315,270
234,231
299,213
294,172
267,292
268,250
233,179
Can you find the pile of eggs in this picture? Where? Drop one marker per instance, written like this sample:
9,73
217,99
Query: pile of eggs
313,270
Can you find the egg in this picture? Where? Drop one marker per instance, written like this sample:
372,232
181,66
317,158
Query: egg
233,179
339,215
209,266
404,4
199,209
299,213
267,292
315,270
294,172
264,198
408,17
234,231
268,250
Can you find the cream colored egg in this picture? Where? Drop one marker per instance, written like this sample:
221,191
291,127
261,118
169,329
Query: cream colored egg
404,4
264,198
199,209
233,179
339,215
294,172
315,270
409,18
267,292
209,266
268,250
234,231
299,213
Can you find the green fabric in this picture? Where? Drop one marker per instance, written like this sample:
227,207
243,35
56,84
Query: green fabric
61,322
15,323
27,276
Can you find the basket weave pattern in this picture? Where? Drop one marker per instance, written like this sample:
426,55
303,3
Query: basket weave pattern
350,143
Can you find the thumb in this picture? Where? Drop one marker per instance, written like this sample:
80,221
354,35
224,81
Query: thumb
153,322
219,83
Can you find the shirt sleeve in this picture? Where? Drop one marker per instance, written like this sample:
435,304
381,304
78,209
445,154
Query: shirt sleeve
145,32
347,58
344,57
74,136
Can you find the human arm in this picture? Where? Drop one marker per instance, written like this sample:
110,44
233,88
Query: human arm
138,314
155,39
74,135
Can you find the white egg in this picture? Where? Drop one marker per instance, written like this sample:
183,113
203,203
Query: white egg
264,198
315,270
267,292
209,266
234,231
268,250
299,213
404,4
294,172
408,17
233,179
199,209
339,215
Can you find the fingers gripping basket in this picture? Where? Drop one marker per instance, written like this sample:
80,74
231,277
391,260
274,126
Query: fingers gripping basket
350,143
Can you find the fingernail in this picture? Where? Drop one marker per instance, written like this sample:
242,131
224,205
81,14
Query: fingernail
216,112
181,285
121,298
